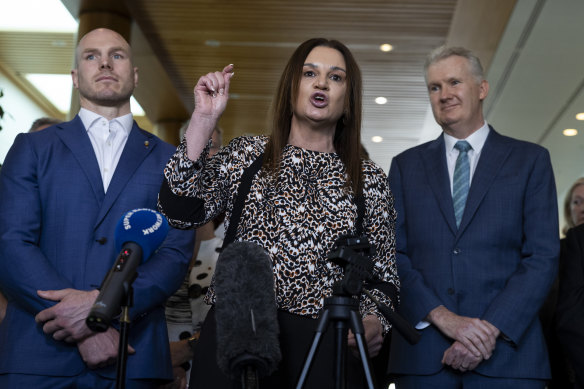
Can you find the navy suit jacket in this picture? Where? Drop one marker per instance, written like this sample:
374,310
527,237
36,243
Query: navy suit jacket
498,266
57,231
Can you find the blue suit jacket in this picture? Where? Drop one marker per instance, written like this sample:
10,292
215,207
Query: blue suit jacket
53,216
498,266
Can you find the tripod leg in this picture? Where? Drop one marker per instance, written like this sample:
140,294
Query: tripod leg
341,352
357,328
321,328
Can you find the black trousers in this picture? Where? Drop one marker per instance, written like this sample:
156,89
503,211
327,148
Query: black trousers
296,336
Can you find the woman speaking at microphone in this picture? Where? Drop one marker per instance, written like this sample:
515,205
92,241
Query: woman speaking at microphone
300,199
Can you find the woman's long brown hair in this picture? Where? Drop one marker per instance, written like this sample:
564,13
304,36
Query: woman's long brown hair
347,138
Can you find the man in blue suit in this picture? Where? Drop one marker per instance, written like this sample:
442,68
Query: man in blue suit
477,241
62,192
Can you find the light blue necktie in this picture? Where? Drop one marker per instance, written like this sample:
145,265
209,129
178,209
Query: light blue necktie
461,179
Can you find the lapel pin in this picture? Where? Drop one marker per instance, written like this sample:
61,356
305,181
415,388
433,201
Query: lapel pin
146,143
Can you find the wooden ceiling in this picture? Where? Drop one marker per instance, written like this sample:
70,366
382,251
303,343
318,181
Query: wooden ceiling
195,37
177,41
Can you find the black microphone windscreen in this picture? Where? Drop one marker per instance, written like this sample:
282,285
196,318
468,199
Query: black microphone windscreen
246,310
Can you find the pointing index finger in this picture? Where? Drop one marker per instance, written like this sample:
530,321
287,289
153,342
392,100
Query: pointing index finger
229,68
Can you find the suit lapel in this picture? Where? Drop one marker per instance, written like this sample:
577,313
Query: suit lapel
494,153
74,136
134,153
434,161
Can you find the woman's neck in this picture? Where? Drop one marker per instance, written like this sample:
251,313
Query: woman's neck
311,137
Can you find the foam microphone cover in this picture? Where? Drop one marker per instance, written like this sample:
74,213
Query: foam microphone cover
246,310
145,227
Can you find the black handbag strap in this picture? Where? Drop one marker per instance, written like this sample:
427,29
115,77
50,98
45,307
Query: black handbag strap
244,187
360,200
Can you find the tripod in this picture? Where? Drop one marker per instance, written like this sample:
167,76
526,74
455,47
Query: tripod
340,311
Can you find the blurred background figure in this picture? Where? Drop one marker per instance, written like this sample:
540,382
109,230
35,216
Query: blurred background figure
42,123
2,307
186,310
574,205
566,339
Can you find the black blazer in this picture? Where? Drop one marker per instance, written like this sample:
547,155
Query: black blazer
570,311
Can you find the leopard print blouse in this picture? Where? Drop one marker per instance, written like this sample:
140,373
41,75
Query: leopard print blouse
296,217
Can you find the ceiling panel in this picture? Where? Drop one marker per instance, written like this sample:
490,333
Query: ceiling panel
37,52
259,36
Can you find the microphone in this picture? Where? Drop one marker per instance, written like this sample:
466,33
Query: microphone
138,234
246,313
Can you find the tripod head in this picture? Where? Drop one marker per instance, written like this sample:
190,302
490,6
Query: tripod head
352,254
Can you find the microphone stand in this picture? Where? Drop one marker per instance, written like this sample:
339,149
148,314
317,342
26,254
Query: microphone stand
123,343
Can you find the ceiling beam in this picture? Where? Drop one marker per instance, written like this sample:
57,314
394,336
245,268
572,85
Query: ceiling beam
478,25
27,88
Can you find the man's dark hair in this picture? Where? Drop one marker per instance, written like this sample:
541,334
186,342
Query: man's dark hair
42,123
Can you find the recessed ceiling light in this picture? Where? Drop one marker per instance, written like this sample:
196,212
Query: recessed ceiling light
386,47
376,139
380,100
570,132
580,116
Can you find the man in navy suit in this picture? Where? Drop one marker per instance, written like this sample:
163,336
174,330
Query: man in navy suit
477,241
62,192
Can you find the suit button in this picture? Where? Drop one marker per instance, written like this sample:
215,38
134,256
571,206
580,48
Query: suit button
456,251
450,291
102,240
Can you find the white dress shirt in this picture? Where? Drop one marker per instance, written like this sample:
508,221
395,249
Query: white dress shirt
108,139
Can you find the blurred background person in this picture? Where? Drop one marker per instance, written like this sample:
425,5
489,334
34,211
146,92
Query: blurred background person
568,317
42,123
186,310
306,195
574,205
3,304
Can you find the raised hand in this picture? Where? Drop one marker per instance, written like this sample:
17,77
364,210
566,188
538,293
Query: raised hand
211,95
